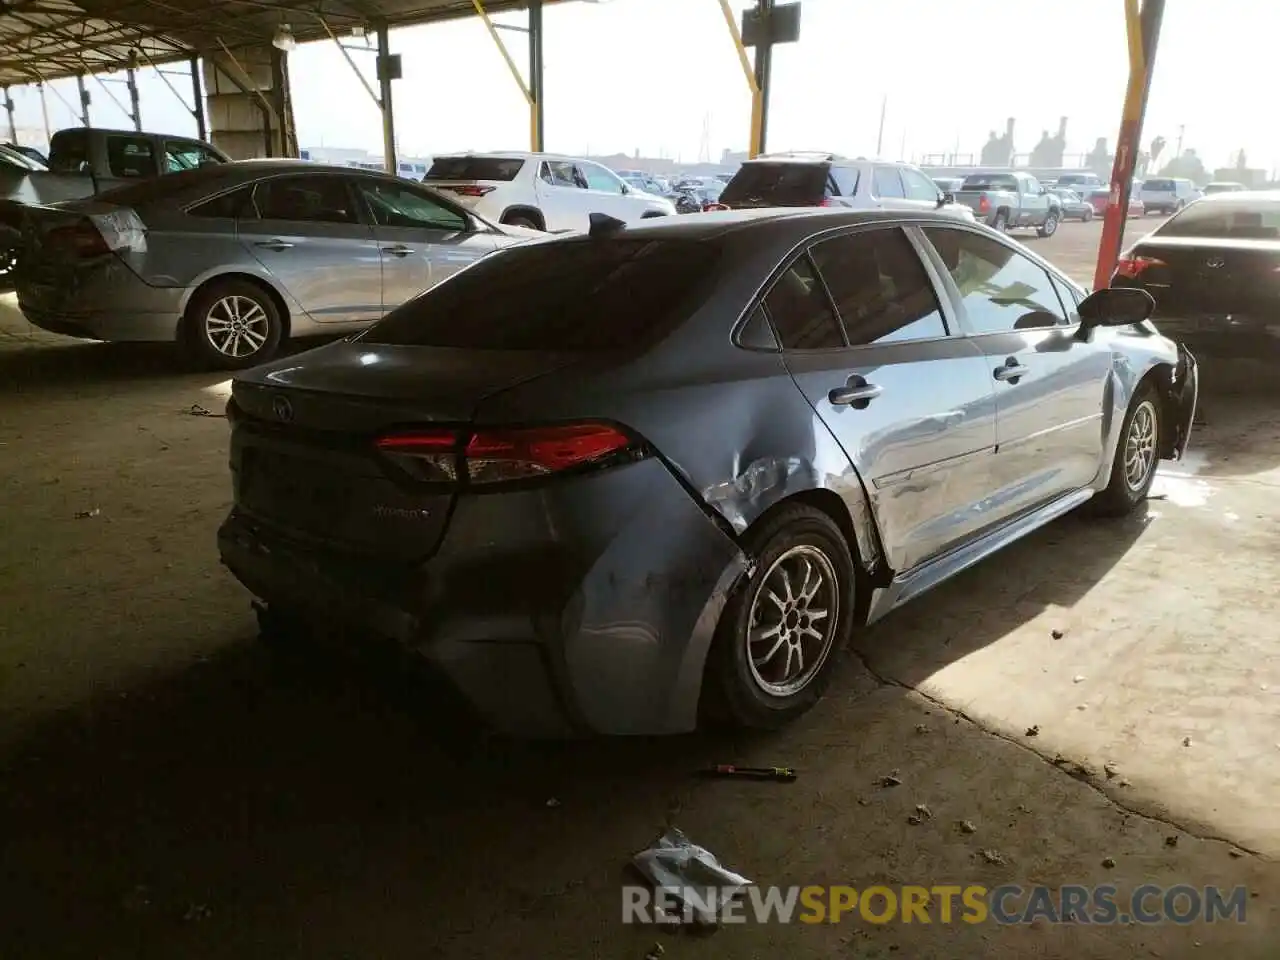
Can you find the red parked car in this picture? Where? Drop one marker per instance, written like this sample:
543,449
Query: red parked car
1099,197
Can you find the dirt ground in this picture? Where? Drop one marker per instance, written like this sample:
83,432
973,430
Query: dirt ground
1099,703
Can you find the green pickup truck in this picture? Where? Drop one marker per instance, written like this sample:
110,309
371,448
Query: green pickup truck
1008,199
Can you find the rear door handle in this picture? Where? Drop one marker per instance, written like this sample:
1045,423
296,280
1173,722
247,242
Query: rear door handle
275,244
1011,370
399,250
854,394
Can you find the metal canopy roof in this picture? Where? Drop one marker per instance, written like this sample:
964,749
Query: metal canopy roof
47,39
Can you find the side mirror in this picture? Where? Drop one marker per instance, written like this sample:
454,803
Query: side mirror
946,199
625,188
1115,307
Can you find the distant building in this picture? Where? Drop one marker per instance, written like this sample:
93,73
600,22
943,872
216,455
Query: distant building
413,168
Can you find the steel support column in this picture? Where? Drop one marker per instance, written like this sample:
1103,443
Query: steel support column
384,100
198,111
44,112
1143,28
8,108
131,81
531,96
538,119
84,99
764,73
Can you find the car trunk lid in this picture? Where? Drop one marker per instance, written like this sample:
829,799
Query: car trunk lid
1192,275
305,457
61,244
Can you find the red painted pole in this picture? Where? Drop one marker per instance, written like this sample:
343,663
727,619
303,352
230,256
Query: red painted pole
1144,34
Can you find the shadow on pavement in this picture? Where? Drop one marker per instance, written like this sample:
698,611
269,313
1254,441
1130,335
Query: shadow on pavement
224,810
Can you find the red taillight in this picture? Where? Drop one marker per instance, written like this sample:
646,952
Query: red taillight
495,456
83,239
829,202
471,190
1134,265
984,204
711,206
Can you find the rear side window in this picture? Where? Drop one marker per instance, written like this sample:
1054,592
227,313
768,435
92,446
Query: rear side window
880,287
475,168
801,311
784,184
235,205
589,294
1225,221
846,180
130,157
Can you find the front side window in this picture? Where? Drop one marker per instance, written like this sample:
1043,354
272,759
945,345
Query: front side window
888,183
394,205
306,199
598,178
918,186
801,311
187,155
1002,289
880,287
131,157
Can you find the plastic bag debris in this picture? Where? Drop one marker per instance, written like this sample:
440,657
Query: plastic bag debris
689,875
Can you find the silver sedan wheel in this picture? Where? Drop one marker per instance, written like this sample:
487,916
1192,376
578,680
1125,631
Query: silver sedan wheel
237,326
793,621
1140,446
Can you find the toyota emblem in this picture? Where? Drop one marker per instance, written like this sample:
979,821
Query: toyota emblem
1213,263
283,409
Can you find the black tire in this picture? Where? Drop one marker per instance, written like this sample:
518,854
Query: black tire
1125,491
1087,215
262,326
1001,222
1050,225
749,692
521,220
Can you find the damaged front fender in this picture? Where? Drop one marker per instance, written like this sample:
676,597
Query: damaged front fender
1182,392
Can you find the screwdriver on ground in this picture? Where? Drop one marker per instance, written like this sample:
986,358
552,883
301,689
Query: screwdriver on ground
785,774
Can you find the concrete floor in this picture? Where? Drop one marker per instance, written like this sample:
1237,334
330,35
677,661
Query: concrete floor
169,790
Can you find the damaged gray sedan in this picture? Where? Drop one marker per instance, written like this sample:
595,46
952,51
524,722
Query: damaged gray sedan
617,482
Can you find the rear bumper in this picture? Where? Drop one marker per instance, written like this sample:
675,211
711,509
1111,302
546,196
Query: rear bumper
105,302
583,607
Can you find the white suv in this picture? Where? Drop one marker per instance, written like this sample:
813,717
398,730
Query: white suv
541,190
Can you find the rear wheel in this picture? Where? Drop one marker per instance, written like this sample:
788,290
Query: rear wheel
777,641
1087,215
521,220
232,324
1050,225
1001,222
1136,459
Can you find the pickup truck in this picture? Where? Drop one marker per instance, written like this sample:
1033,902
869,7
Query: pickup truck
85,161
1008,199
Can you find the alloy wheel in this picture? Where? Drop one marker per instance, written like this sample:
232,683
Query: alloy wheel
237,326
1140,446
793,621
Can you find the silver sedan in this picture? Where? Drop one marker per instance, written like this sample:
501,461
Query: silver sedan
232,260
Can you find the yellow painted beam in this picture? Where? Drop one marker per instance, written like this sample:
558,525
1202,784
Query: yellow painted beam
757,98
515,73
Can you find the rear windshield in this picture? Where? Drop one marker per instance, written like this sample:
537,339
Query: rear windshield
475,168
786,184
1165,186
989,181
1077,178
1221,221
584,294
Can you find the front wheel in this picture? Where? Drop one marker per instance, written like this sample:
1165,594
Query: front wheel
1137,456
776,644
1049,227
1087,215
232,324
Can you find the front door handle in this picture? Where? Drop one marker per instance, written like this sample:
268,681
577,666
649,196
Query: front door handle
276,245
1010,371
399,250
856,393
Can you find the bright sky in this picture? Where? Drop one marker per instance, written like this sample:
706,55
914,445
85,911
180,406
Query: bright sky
645,75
